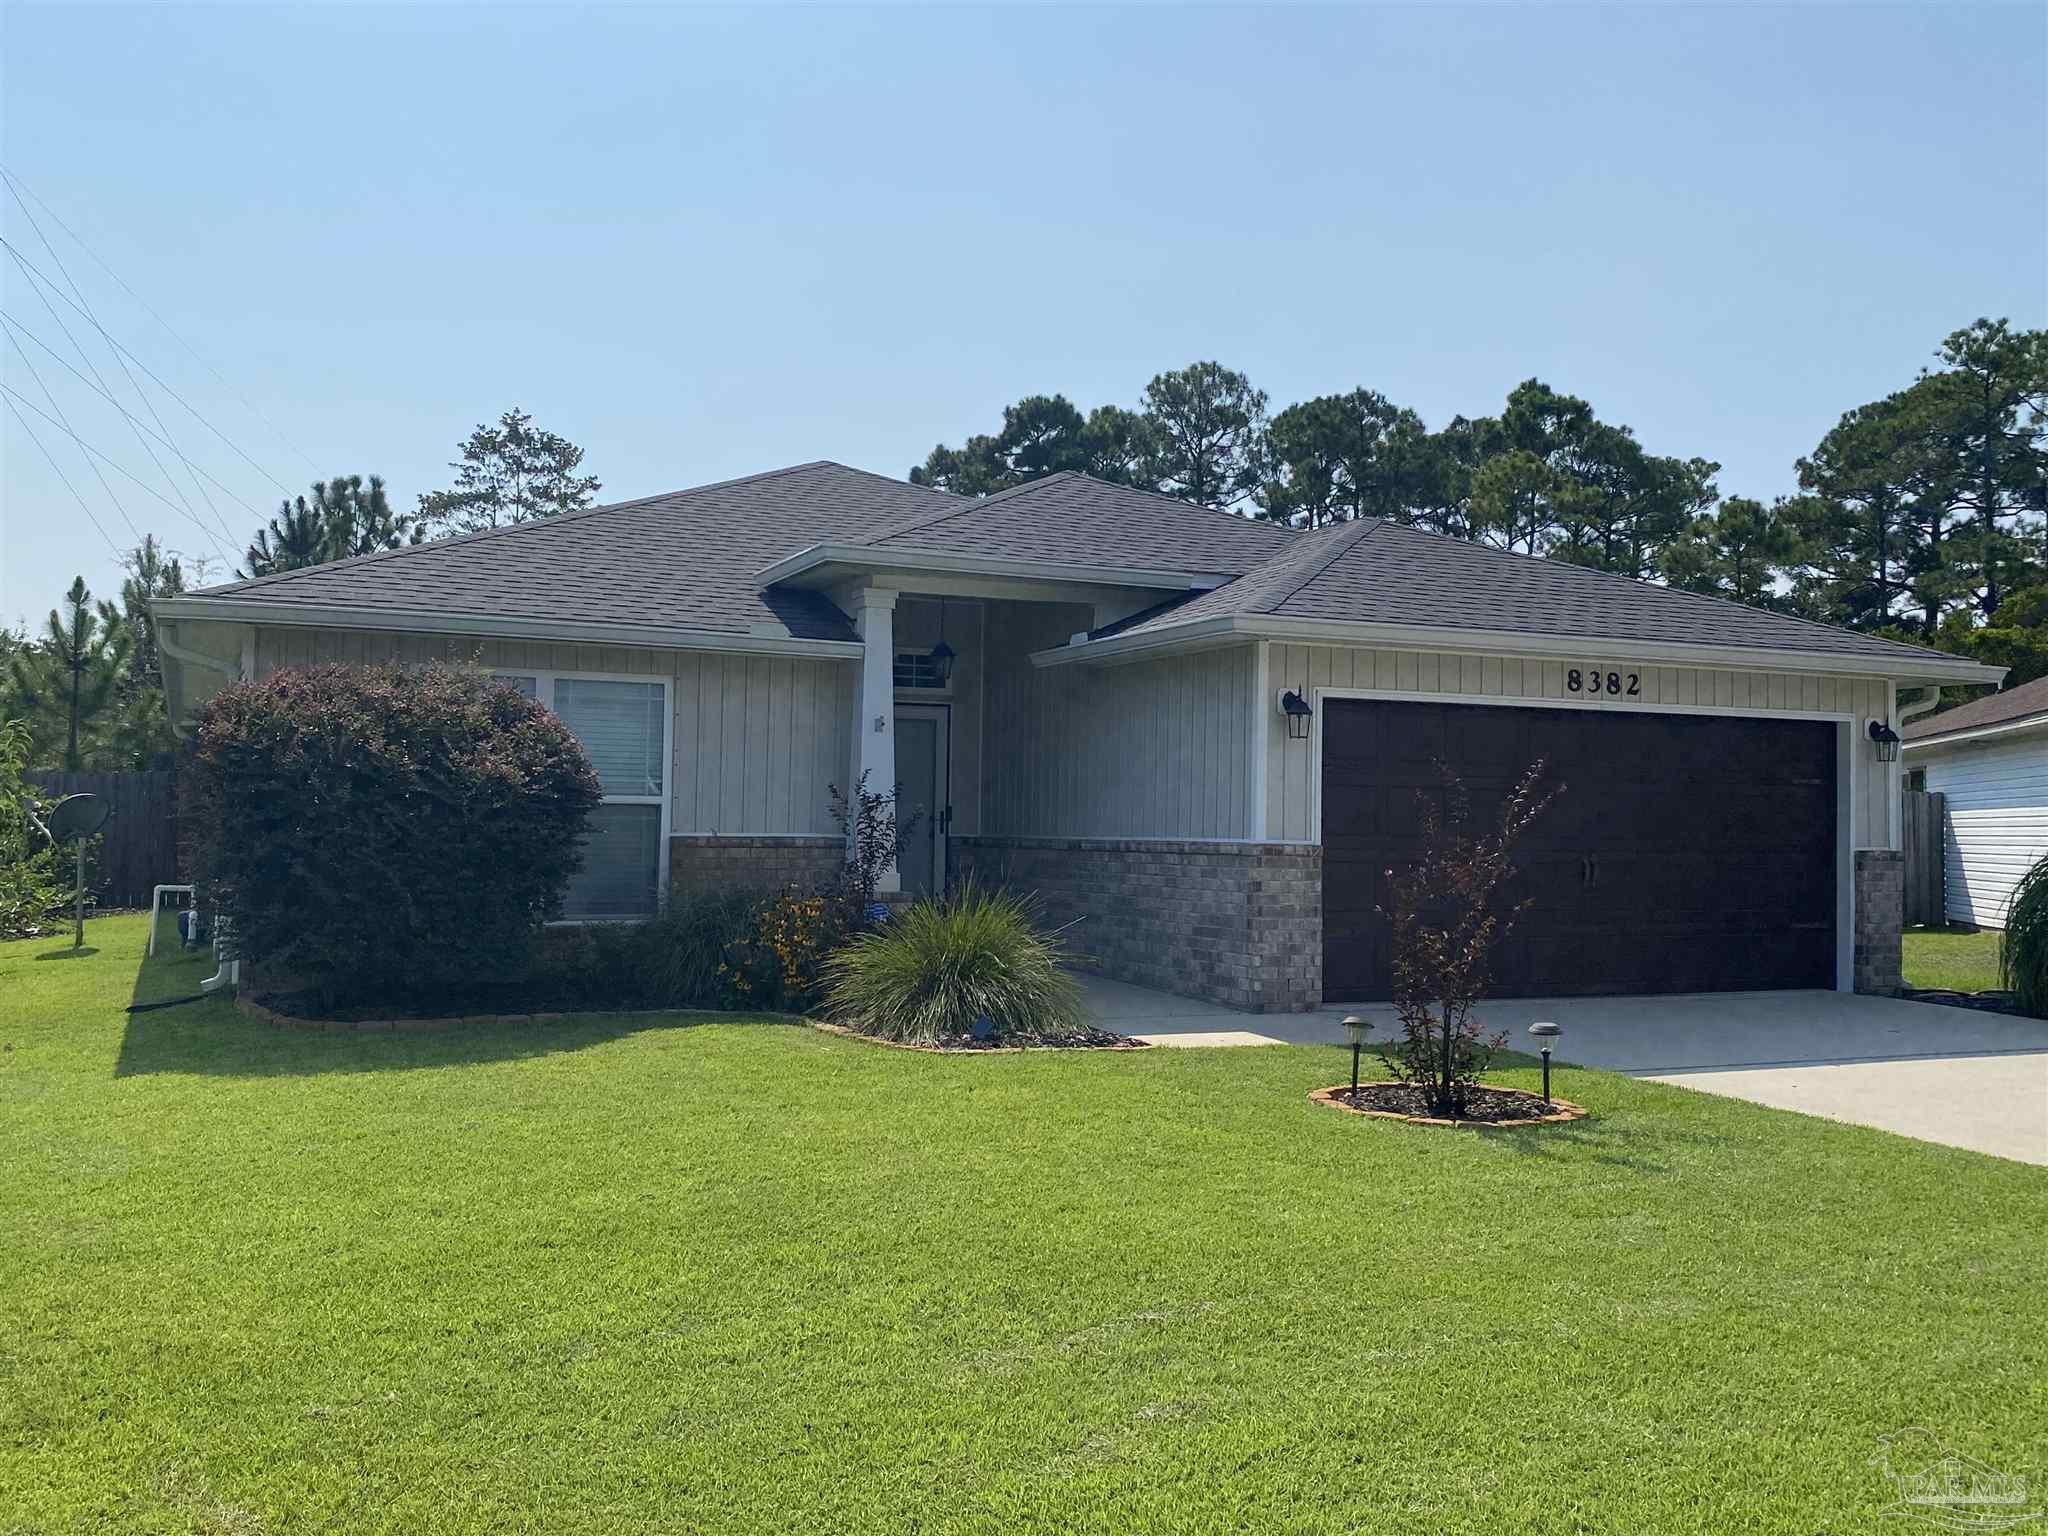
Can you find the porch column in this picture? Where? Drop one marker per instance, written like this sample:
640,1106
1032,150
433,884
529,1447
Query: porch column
874,720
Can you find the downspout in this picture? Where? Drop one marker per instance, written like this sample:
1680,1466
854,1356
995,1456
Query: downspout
228,971
1896,777
231,670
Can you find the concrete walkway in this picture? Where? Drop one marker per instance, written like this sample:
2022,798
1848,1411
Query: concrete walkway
1948,1075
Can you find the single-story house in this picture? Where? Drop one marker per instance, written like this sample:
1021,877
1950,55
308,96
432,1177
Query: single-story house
1198,737
1989,759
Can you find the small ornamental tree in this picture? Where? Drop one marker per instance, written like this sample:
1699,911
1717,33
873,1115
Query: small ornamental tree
874,835
1448,914
387,834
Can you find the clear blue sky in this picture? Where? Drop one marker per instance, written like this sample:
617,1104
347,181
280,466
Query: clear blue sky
703,243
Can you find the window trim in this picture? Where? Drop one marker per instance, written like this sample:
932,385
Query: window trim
544,680
915,690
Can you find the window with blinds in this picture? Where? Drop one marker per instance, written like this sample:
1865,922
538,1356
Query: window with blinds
623,726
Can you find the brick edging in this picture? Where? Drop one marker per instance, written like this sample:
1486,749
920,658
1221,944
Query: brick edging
825,1028
1562,1112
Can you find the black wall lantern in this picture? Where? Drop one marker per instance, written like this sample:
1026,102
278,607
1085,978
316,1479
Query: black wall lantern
1296,709
942,653
1885,740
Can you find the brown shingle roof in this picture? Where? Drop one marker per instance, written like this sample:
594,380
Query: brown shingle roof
2005,707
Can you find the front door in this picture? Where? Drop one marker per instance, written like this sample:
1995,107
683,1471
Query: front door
922,793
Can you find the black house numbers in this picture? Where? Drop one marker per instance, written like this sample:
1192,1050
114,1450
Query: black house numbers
1626,685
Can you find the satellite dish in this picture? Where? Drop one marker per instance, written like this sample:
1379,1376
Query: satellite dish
78,816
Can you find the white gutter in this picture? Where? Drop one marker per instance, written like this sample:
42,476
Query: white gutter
199,659
868,558
1908,666
409,620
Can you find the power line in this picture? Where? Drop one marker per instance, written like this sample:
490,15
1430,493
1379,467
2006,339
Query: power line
19,186
128,473
15,325
37,376
134,426
37,272
31,431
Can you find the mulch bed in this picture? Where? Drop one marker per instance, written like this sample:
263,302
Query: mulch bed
1982,1002
967,1045
1485,1108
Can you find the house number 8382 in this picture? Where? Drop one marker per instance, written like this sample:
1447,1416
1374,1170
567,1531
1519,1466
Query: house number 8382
1625,684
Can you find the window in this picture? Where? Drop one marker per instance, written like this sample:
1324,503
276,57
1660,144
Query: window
916,669
623,726
1916,780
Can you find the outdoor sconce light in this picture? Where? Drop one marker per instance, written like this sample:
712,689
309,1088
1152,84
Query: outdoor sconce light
1296,709
942,654
1545,1032
1886,740
1357,1029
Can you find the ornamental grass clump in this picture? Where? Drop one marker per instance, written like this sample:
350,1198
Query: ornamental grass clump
940,968
2023,947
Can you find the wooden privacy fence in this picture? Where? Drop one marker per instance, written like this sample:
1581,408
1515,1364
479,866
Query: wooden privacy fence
139,844
1922,830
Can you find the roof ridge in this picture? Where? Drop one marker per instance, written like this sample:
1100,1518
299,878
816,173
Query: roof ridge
279,578
1178,501
1358,531
1658,586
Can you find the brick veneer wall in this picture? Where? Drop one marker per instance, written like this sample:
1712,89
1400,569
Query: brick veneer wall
752,863
1880,920
1234,923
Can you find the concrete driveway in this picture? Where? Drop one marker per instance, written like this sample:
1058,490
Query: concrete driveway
1948,1075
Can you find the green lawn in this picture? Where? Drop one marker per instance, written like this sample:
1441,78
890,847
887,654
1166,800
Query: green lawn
1951,958
639,1275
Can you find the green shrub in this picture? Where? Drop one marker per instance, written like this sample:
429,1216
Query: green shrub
35,875
2023,948
387,834
675,960
939,966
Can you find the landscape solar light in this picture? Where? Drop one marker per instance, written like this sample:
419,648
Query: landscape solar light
1357,1029
1298,714
1545,1032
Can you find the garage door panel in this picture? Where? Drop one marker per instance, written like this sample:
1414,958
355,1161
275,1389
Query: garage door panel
1686,853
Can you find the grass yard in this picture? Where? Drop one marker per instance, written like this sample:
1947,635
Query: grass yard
639,1275
1951,958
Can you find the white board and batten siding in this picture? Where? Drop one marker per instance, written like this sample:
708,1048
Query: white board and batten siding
1153,749
1290,766
1997,821
759,740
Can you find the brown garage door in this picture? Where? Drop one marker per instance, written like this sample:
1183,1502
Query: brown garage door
1688,853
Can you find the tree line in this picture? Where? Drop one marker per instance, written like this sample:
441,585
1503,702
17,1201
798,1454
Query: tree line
1922,516
1919,516
89,683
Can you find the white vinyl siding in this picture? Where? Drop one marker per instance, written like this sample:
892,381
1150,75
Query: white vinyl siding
1290,790
756,742
1997,821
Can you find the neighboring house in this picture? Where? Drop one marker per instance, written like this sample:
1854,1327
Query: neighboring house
1198,737
1989,757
